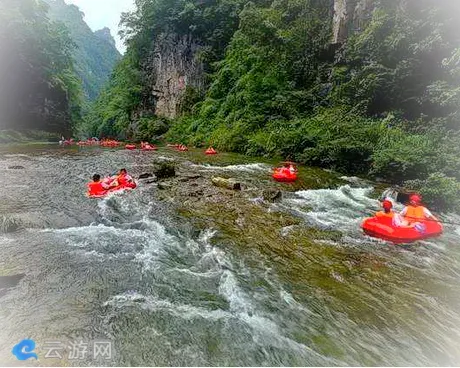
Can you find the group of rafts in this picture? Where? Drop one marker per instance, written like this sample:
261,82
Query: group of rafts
414,223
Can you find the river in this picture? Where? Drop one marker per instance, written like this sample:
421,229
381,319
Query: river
298,284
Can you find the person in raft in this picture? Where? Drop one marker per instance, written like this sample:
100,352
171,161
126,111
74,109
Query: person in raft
290,168
97,186
124,179
396,219
415,212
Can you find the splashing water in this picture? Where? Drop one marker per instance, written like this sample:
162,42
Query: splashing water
125,268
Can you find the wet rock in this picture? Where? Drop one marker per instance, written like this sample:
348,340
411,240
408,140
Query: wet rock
148,179
164,186
145,175
16,167
189,177
272,195
165,170
196,193
226,183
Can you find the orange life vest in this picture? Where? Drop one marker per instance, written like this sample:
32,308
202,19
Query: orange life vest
414,213
384,214
123,179
385,218
96,188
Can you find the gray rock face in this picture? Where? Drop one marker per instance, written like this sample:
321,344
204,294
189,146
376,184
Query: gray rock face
106,35
172,68
349,16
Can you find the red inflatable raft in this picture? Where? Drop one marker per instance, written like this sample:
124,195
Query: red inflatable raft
210,151
119,188
148,147
284,175
130,146
382,228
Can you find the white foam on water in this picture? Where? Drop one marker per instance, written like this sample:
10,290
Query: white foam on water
290,300
152,303
104,256
342,208
157,243
165,158
228,288
94,229
265,332
243,167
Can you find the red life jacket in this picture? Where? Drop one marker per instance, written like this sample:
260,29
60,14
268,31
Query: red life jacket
96,188
123,180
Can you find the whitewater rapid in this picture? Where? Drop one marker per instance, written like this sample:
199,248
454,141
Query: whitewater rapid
127,268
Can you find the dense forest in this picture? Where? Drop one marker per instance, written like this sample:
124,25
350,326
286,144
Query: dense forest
39,88
51,66
376,94
363,87
95,53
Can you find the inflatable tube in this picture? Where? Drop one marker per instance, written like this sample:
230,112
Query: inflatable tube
382,228
210,151
149,148
182,148
117,189
130,146
284,175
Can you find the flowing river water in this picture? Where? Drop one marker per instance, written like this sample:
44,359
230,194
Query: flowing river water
167,289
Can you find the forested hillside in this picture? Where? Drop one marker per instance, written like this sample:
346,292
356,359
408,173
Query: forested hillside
363,87
39,89
95,53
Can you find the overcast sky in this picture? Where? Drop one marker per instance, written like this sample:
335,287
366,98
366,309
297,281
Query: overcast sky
104,13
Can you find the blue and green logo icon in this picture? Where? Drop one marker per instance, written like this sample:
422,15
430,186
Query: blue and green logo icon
24,350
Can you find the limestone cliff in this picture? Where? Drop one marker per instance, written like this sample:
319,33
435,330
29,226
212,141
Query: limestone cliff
106,35
172,68
350,16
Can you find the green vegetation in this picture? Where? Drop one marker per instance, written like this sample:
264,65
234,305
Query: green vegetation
95,53
384,103
13,136
39,89
112,113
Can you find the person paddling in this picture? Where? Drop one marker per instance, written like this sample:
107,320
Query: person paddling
97,187
414,211
124,179
394,218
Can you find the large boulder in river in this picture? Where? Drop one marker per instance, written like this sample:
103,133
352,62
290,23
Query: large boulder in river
271,195
226,183
164,170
